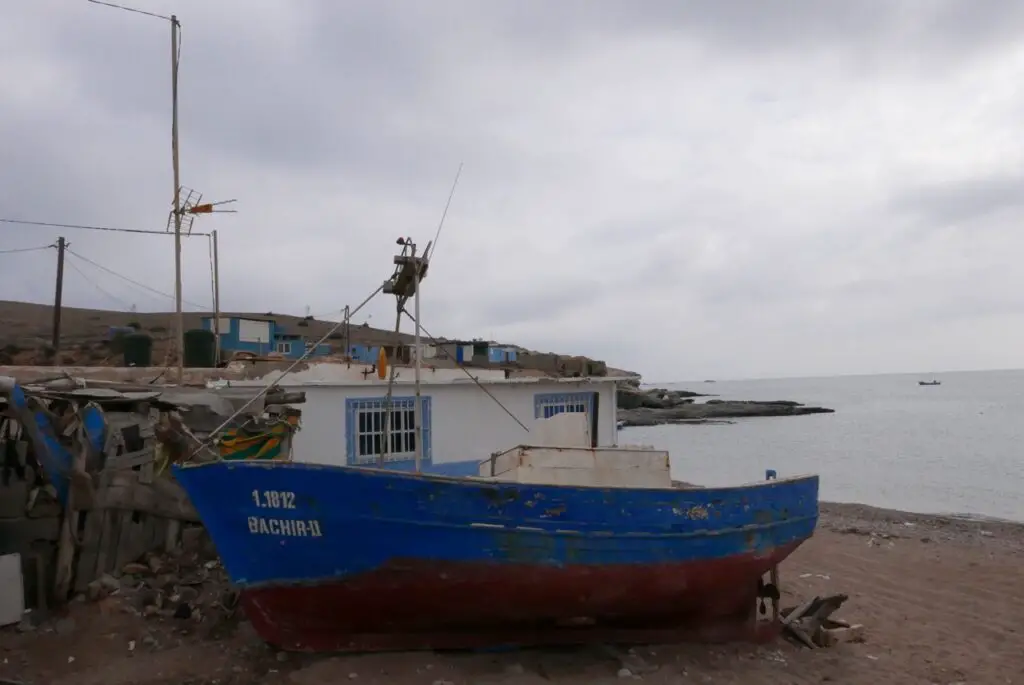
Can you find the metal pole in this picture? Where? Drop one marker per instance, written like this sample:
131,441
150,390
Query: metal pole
418,409
55,343
216,300
347,336
180,321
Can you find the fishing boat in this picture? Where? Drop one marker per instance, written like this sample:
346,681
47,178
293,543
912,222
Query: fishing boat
534,545
929,382
336,558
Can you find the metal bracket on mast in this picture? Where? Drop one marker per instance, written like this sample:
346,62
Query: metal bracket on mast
405,279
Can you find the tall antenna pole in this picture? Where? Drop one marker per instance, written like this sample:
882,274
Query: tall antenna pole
216,299
55,343
180,321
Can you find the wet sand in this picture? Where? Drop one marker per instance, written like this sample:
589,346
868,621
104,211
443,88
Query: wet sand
941,600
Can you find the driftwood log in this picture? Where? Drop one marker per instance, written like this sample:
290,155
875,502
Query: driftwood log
812,625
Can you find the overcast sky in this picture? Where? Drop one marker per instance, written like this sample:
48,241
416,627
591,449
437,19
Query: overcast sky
687,189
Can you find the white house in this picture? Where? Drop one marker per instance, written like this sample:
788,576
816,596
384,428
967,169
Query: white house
463,419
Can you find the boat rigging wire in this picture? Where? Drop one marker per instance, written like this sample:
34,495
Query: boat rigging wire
471,376
402,299
429,252
206,442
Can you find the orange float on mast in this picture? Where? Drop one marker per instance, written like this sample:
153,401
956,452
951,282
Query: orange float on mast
382,363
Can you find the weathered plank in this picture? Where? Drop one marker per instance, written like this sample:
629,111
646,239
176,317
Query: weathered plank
107,553
126,540
82,489
39,566
130,459
159,532
152,523
67,545
85,569
146,473
173,533
42,500
13,499
163,497
17,535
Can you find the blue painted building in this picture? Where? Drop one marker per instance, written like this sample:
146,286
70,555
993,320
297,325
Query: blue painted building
366,354
480,352
502,354
262,336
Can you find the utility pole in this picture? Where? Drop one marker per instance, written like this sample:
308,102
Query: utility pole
58,296
180,320
191,206
216,300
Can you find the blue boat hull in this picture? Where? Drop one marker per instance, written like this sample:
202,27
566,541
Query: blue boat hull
339,558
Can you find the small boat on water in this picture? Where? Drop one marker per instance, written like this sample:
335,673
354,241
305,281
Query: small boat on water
534,545
929,382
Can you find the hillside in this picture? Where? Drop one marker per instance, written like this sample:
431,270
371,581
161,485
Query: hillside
26,332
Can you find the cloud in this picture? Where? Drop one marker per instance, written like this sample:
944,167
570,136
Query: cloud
960,202
686,189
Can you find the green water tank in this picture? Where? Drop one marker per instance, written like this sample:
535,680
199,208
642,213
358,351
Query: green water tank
200,349
138,349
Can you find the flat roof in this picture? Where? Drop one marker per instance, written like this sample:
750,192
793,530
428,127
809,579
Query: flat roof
289,382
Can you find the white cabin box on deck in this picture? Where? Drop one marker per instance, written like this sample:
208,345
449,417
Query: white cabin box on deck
342,418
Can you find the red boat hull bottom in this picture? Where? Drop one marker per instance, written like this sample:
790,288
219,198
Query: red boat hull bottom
433,605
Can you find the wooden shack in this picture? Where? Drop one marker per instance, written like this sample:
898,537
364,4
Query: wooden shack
86,485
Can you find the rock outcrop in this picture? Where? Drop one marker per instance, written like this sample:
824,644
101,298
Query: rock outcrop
660,406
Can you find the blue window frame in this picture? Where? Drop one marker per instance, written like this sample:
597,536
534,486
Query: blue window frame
364,429
546,405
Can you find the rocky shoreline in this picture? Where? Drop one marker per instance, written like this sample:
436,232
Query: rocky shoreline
659,406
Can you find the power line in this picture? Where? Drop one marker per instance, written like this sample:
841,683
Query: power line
98,287
129,280
28,249
93,228
130,9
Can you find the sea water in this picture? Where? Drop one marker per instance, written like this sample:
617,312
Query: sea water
952,448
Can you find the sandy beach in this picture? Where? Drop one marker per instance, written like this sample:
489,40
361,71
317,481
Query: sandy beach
939,598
